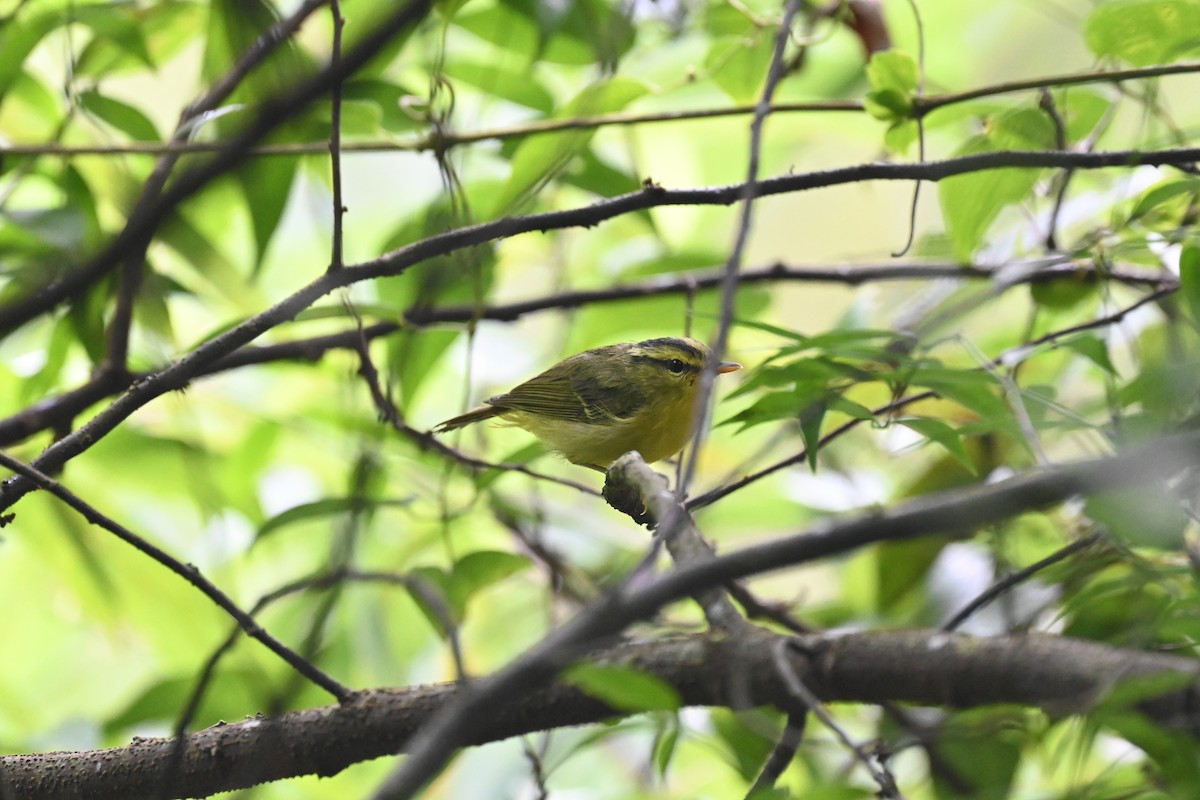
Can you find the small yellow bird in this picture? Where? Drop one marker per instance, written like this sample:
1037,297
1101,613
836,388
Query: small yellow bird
599,404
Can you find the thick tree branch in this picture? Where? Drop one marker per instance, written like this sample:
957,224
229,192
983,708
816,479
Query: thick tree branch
925,667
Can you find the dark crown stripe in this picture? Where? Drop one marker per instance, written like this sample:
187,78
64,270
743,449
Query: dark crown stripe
671,343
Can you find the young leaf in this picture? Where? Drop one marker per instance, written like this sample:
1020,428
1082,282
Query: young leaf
1144,32
893,76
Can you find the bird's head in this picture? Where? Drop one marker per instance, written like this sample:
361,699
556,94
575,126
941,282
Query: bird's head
674,361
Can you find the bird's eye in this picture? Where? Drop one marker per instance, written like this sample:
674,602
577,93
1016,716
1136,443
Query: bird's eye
676,366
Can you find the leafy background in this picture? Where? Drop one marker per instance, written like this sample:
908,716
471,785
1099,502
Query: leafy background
277,472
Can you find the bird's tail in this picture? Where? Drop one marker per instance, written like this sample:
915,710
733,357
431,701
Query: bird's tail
472,416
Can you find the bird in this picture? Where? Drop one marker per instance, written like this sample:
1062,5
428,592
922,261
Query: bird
595,406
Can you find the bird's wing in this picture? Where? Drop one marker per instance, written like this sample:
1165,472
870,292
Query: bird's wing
555,394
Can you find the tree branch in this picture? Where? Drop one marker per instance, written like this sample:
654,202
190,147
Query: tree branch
180,373
955,512
141,225
924,667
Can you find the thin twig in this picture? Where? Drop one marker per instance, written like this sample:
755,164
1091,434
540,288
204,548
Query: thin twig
781,755
188,572
432,141
880,773
920,123
335,137
180,373
1019,576
1047,104
748,193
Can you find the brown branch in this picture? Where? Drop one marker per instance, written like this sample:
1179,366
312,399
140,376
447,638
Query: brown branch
180,373
58,411
630,477
1060,675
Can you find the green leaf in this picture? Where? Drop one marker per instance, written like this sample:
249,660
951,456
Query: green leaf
982,748
1146,517
1144,32
163,29
1092,348
939,432
901,135
1175,753
266,184
850,408
975,390
893,77
746,744
502,81
480,569
1061,294
19,34
739,64
901,567
1189,280
319,509
230,693
539,159
970,203
387,98
664,746
810,431
623,687
120,25
583,32
121,116
429,588
1163,193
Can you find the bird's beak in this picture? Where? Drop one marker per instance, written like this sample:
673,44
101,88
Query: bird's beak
728,366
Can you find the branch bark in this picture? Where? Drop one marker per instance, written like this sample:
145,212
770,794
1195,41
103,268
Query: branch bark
926,667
